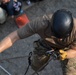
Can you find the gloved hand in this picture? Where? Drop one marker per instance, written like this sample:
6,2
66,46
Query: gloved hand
63,54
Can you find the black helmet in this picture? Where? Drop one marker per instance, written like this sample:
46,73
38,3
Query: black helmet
62,23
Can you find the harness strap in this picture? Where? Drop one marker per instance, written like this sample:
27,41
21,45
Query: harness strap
29,63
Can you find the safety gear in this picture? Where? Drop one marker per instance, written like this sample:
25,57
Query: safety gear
63,54
2,16
62,23
39,58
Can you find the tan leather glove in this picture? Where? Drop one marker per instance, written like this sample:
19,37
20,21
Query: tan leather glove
63,54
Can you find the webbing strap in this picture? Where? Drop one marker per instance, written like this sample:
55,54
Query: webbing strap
29,63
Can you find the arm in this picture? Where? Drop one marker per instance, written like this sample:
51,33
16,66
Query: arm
24,32
71,53
8,41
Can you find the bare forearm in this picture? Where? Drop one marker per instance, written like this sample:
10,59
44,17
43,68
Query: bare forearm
4,44
8,41
71,53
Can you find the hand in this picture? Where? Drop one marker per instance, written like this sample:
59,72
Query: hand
63,54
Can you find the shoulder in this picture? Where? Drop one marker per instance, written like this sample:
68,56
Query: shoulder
47,17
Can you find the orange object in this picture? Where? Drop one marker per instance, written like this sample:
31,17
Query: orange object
22,20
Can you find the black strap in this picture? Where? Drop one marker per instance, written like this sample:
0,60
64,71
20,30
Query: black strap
29,63
29,58
27,70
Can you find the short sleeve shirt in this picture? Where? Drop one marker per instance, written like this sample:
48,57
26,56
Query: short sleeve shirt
42,27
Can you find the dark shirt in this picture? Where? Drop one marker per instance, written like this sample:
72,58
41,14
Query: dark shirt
42,27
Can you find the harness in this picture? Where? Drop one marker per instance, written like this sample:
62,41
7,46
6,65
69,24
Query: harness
54,54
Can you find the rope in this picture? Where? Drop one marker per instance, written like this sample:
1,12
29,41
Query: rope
27,70
13,58
29,61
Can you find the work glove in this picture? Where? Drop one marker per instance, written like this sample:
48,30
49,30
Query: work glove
63,54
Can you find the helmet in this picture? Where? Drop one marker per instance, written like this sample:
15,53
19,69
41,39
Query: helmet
62,23
2,16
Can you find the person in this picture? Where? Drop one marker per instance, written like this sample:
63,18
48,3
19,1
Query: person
17,7
12,7
8,6
57,32
3,16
